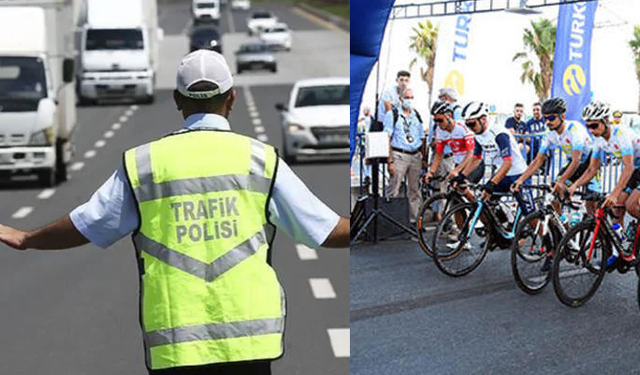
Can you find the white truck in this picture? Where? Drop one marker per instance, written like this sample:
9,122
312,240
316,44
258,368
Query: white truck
205,11
37,94
119,50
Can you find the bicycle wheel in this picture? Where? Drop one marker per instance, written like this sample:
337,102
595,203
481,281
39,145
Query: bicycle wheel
532,249
458,247
576,278
431,213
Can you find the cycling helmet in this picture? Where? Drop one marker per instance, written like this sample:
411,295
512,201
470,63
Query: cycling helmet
475,110
595,111
554,105
440,108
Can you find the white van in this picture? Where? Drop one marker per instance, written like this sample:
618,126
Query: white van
206,11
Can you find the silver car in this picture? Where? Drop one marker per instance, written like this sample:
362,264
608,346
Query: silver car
255,56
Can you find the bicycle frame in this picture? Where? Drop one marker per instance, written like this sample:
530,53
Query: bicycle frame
601,218
498,228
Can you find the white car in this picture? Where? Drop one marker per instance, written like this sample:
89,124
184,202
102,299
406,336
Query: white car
315,123
261,20
240,4
278,36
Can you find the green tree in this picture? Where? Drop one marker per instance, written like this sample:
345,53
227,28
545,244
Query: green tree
635,47
540,40
424,42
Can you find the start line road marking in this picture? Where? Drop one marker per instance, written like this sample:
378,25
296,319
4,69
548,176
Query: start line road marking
322,288
306,253
340,342
22,212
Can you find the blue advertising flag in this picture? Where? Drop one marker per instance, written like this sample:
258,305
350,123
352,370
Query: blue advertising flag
572,59
369,24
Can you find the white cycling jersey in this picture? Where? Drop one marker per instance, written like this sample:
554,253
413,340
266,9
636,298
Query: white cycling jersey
497,144
623,141
574,137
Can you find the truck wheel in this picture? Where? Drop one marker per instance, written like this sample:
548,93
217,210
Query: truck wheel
47,177
274,69
239,70
85,102
149,99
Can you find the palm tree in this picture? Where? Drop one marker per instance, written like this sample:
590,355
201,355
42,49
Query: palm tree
541,40
423,43
635,47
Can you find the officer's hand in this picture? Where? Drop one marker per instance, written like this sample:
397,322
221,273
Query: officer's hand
392,169
13,237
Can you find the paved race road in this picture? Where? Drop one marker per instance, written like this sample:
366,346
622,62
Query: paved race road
75,312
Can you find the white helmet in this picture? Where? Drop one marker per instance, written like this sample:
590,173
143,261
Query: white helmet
595,111
475,110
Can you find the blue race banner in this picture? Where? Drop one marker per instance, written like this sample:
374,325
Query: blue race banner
369,25
572,59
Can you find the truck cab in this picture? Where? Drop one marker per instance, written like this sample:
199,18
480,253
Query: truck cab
206,11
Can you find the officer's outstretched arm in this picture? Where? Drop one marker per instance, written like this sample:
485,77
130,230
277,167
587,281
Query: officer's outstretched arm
61,234
340,235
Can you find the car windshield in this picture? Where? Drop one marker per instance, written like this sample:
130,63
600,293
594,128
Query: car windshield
206,33
205,5
114,39
22,83
261,15
253,48
276,30
323,95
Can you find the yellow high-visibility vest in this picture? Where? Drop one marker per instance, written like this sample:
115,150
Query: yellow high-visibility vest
207,291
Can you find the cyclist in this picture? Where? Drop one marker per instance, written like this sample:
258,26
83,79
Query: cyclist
624,144
459,139
499,148
573,140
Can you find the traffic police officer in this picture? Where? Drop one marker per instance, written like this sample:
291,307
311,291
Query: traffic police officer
202,204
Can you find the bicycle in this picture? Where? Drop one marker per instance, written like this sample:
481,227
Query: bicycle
583,253
432,210
536,238
480,232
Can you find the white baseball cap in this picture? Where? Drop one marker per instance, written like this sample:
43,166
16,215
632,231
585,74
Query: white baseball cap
203,66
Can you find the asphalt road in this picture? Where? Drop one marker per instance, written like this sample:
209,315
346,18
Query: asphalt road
409,319
75,312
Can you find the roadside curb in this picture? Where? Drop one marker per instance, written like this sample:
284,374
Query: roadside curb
326,16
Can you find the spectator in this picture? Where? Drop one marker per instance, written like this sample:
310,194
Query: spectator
407,145
617,118
449,95
535,126
390,98
366,121
516,125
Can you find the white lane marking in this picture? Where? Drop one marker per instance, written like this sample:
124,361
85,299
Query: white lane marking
232,25
46,193
77,166
185,30
128,113
22,212
254,113
259,129
116,126
252,108
256,121
123,118
340,341
100,143
89,154
134,107
262,138
108,134
306,253
322,288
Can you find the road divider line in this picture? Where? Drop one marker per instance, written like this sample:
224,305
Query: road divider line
262,138
306,253
254,114
134,107
22,212
128,113
77,166
322,288
123,119
46,193
340,339
108,134
256,121
89,154
116,126
100,143
259,129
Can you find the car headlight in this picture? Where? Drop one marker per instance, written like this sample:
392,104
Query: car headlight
293,128
42,138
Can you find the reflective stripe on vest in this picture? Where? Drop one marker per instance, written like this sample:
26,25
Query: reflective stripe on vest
208,294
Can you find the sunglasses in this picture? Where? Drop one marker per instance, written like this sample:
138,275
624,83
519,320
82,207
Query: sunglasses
593,125
471,124
438,120
550,118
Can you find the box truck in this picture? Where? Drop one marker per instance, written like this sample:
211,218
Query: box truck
37,93
119,50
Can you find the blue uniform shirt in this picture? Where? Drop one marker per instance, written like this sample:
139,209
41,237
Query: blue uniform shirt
389,95
407,133
111,212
